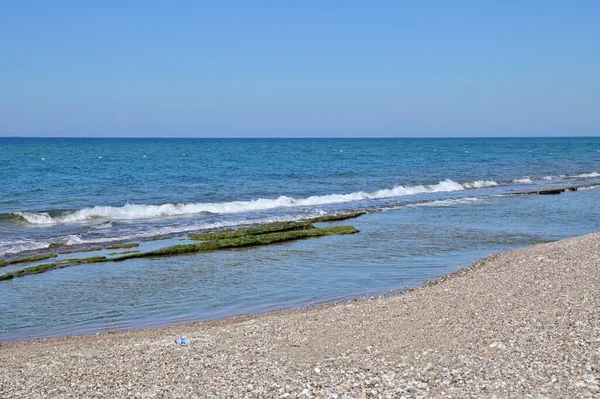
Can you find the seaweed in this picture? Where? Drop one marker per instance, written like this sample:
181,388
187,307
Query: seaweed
266,234
26,260
124,246
52,266
122,253
242,241
274,227
336,217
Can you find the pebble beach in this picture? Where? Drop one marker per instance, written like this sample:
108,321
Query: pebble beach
523,323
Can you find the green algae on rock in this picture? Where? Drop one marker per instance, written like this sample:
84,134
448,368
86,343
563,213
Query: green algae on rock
123,252
336,217
123,246
248,240
26,260
270,233
274,227
52,266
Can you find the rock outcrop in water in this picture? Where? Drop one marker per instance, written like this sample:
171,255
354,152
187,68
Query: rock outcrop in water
26,260
266,234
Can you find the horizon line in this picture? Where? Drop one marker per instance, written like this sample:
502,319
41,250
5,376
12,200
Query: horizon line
293,137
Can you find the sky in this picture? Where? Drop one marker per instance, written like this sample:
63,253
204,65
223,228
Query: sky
299,68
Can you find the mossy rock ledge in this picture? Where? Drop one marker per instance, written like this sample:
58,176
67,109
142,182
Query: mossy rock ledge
241,238
271,233
52,266
26,260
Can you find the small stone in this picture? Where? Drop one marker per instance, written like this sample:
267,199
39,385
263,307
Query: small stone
588,378
89,353
448,361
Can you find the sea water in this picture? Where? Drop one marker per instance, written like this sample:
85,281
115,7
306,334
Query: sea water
433,205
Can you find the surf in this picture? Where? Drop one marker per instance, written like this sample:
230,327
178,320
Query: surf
133,212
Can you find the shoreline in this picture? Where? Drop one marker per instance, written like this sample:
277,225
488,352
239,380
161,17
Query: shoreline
514,323
231,317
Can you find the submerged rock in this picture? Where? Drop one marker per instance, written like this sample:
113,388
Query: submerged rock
266,234
233,240
26,260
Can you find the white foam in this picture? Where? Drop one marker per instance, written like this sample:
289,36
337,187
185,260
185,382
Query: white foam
480,184
139,212
102,226
446,202
547,178
20,246
36,217
593,174
524,180
72,239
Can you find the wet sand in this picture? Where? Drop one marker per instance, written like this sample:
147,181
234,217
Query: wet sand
516,324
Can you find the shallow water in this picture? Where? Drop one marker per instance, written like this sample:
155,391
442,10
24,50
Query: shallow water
410,234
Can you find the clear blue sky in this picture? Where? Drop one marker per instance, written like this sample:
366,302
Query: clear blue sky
299,68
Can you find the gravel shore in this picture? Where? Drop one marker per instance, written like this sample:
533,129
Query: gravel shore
524,323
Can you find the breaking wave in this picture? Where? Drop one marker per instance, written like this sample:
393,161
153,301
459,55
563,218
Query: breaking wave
21,246
445,202
524,180
140,212
593,174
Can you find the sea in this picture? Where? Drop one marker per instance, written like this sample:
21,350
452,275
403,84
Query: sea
432,206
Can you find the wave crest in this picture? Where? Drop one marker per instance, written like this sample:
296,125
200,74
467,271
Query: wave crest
592,174
137,212
525,180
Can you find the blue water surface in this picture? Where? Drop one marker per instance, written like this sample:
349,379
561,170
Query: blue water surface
433,205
